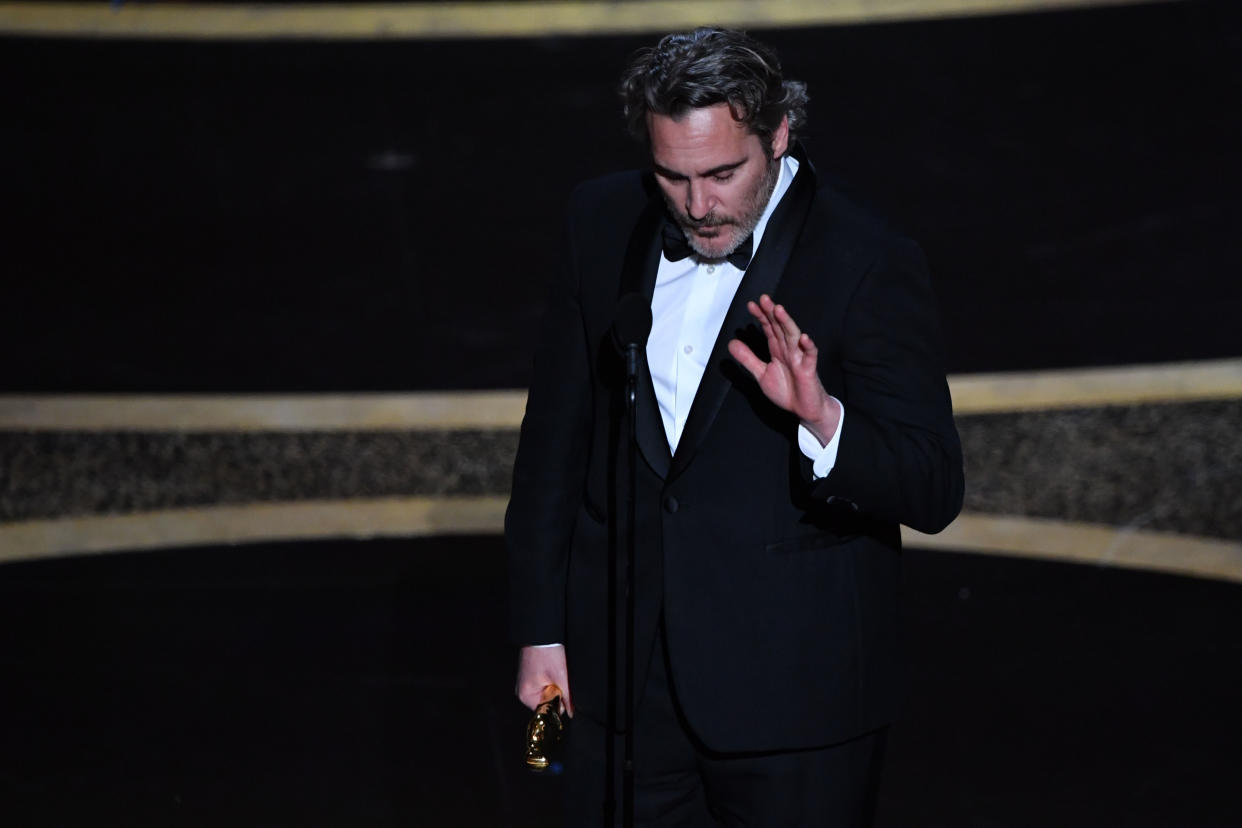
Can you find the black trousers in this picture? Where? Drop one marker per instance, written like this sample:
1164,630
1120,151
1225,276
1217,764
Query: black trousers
678,782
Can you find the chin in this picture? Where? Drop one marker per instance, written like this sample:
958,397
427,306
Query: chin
716,248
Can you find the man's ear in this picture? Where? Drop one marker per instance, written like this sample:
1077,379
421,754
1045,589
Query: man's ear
780,138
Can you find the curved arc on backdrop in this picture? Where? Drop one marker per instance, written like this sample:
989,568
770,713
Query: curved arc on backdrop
1218,379
425,21
1010,536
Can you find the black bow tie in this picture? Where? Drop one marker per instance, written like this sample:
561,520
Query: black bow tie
677,248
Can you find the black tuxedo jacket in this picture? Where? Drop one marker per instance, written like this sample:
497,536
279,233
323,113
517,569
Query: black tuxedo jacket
778,592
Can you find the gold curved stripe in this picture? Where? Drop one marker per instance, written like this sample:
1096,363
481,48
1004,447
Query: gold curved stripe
972,394
1086,543
251,523
1022,537
479,20
1218,379
262,412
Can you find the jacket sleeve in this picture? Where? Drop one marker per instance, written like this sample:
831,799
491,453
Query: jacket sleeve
550,468
899,458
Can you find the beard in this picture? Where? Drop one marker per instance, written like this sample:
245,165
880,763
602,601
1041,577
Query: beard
733,229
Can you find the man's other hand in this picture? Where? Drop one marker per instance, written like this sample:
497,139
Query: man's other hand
537,668
790,380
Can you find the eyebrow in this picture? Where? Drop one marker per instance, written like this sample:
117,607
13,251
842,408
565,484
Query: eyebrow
717,170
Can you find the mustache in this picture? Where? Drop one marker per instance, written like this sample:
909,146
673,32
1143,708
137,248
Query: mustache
707,221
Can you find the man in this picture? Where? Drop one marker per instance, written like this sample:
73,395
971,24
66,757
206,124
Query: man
792,412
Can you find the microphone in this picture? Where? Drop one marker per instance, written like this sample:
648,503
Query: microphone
631,328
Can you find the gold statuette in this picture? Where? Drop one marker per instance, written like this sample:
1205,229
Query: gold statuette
544,732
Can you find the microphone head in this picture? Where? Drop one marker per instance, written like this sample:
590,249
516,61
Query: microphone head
633,324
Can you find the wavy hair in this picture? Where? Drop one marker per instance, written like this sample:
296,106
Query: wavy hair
710,66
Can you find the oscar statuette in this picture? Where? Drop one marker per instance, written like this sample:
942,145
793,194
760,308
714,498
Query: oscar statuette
544,732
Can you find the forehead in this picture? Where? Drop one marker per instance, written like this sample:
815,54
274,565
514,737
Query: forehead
699,139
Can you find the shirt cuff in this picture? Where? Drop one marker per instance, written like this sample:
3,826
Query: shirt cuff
823,458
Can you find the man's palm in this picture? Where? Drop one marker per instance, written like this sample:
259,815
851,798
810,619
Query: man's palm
790,380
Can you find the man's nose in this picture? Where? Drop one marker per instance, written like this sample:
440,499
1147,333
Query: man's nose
698,202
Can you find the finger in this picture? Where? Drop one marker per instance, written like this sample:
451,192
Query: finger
761,317
780,322
776,348
788,327
810,355
531,693
529,697
561,686
776,342
560,679
807,345
775,345
740,351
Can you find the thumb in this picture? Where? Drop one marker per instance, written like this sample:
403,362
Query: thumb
740,351
567,702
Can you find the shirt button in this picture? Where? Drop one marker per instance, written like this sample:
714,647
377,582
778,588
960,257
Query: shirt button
670,504
689,349
711,268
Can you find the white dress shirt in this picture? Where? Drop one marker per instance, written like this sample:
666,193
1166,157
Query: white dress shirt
688,308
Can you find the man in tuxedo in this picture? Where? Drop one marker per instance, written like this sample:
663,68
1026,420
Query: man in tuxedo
792,412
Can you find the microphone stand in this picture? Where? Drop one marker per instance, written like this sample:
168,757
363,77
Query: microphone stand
630,332
631,398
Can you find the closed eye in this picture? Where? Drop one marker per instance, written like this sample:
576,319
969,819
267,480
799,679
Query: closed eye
669,175
719,174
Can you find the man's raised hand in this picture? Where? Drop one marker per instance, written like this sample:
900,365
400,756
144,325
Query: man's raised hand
790,379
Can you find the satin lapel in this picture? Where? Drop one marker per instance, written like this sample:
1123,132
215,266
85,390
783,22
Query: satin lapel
642,260
763,275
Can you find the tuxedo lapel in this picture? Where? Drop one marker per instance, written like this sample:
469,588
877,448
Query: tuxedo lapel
638,275
763,275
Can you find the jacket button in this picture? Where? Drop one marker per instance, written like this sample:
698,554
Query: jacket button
670,504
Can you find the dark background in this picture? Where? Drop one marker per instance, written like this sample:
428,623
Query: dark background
215,216
367,684
334,216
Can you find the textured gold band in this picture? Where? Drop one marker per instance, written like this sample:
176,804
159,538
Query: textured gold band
972,394
1022,537
478,20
